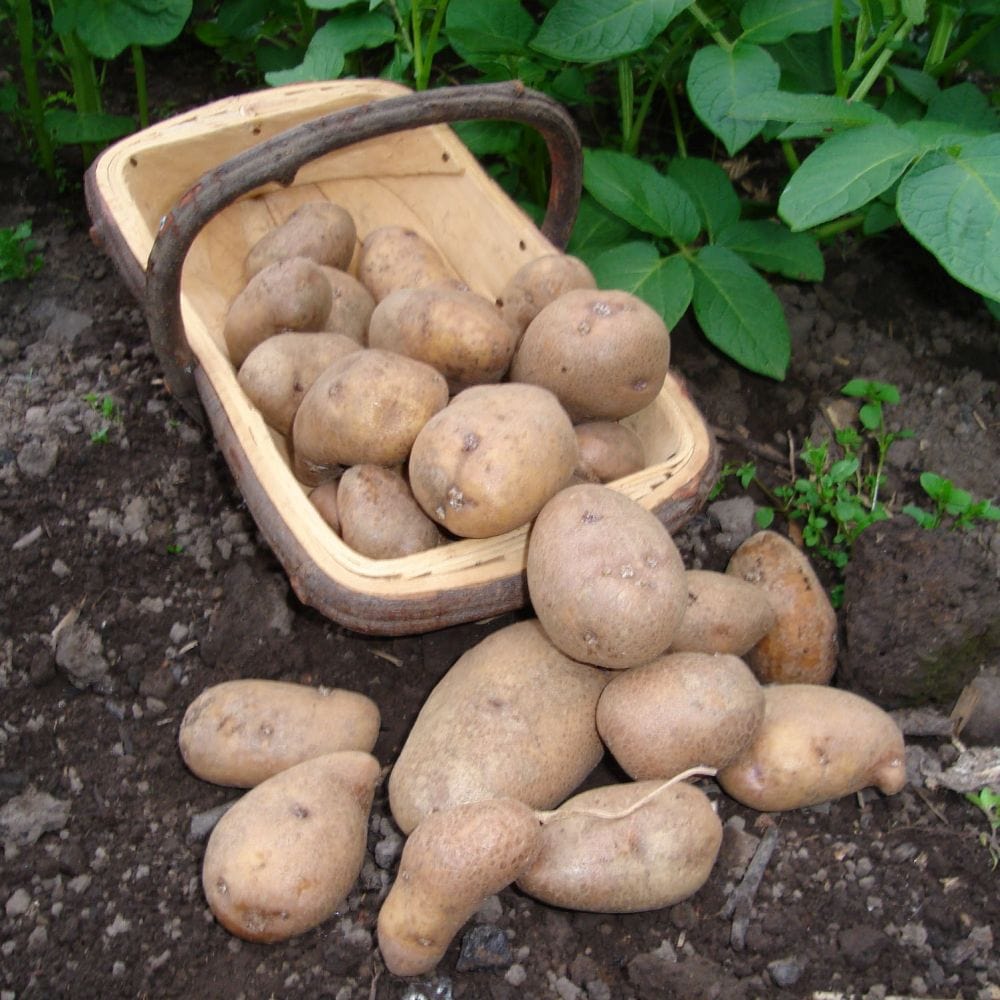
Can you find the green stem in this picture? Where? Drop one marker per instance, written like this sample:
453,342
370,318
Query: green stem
960,51
29,70
626,105
141,92
418,42
671,53
675,115
837,49
706,22
837,226
423,49
875,70
943,28
86,92
791,157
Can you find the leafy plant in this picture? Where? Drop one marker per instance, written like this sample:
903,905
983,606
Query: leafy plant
19,257
953,506
109,412
988,801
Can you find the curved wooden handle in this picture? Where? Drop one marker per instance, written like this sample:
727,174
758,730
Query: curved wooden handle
279,159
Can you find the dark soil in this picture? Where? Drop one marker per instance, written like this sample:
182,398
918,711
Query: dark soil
134,578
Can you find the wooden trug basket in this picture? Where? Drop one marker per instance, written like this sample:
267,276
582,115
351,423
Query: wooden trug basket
177,207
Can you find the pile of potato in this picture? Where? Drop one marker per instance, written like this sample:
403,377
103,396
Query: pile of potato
679,674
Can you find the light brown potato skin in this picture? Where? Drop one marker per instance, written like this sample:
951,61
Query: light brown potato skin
724,614
324,499
285,856
487,463
395,257
683,710
512,718
366,408
319,230
378,515
453,861
605,577
290,294
351,308
603,353
459,333
608,451
801,647
657,855
816,744
278,372
242,732
538,283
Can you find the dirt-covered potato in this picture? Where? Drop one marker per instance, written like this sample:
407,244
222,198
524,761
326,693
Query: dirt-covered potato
683,710
351,308
488,462
459,333
605,577
378,515
801,646
625,848
319,230
603,353
395,257
608,451
724,614
242,732
278,372
366,408
815,744
538,283
290,294
324,499
513,717
453,861
285,856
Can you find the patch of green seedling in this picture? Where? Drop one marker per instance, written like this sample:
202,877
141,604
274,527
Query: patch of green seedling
988,800
19,257
953,507
109,412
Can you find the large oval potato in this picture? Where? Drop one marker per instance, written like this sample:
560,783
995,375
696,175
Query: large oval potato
605,577
603,353
395,257
319,230
816,743
603,852
488,462
459,333
539,282
285,856
801,646
241,732
512,718
683,710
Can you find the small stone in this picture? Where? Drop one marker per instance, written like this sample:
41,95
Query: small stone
861,945
119,925
491,912
38,458
203,823
388,849
18,903
516,975
735,518
27,816
786,972
80,883
38,938
80,653
179,632
484,947
60,569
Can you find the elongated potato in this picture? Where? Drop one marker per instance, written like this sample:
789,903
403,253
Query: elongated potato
285,856
319,230
605,853
242,732
453,861
539,282
815,744
683,710
394,257
513,717
351,308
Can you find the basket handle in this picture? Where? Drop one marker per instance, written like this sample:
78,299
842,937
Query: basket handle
278,160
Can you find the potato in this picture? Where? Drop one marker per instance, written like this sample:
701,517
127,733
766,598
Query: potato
277,372
815,744
453,861
459,333
604,577
724,614
290,294
241,732
512,718
538,283
379,517
324,499
603,353
395,257
366,408
352,306
604,852
683,710
608,451
285,856
489,461
319,230
801,646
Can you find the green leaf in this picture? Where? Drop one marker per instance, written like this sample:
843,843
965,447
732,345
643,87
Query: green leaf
108,27
8,99
774,248
993,306
635,191
323,60
330,4
486,138
805,62
664,283
921,85
846,172
766,21
595,229
739,312
73,128
498,28
709,187
915,10
361,31
823,110
965,105
717,79
950,203
599,30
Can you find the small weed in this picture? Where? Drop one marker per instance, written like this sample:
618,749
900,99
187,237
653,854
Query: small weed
109,412
952,506
987,800
18,252
175,549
